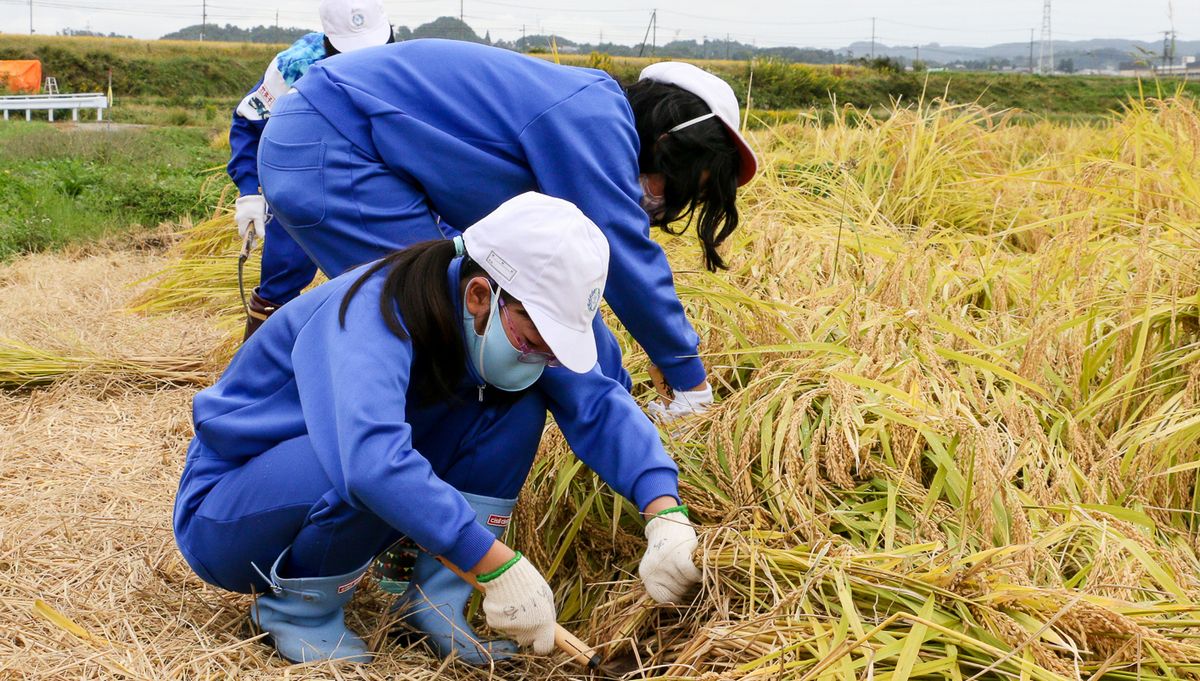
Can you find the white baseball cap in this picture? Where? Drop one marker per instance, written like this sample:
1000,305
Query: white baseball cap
354,24
719,97
553,259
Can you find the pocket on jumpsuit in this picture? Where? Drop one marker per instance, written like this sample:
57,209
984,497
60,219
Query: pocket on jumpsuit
294,181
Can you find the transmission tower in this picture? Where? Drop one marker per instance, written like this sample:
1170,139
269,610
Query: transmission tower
1046,51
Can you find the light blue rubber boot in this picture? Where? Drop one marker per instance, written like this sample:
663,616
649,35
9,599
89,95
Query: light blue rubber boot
436,597
304,616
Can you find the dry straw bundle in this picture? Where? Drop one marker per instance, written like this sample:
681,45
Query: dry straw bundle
66,316
957,355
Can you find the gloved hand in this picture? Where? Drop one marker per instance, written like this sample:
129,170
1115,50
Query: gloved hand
251,209
518,601
667,568
685,402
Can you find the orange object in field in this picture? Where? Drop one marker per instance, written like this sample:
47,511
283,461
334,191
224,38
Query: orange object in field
21,75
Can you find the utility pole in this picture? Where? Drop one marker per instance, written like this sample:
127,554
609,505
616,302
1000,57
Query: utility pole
1031,50
462,29
276,18
653,26
726,47
1046,53
30,17
918,56
522,37
654,39
872,37
203,17
1168,55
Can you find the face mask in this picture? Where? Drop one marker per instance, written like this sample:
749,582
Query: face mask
651,203
494,355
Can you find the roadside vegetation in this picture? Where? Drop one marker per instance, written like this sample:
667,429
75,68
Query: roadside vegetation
192,75
62,184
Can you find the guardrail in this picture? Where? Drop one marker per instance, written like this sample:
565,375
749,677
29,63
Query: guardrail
49,103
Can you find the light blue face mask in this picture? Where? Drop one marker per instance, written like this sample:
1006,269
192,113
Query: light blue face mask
495,357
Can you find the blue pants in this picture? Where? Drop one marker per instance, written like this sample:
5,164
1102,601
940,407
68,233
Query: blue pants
234,514
345,207
286,268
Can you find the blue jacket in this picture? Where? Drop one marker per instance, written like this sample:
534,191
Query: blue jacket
474,126
348,389
251,114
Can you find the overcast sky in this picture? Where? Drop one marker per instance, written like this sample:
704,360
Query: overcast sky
766,23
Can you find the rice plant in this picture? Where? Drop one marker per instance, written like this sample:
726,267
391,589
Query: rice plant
961,414
958,361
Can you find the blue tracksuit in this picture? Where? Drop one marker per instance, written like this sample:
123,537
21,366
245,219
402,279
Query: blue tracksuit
312,439
391,145
286,268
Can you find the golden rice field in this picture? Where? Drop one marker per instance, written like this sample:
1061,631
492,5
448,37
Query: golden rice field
958,435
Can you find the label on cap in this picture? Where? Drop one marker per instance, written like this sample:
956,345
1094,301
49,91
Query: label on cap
498,520
502,267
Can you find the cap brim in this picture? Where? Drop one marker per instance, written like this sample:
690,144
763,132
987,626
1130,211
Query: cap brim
749,162
576,350
356,41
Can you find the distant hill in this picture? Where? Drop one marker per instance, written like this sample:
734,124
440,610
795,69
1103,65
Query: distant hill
442,27
235,34
1097,54
446,27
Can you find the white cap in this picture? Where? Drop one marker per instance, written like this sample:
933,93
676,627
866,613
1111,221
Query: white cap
354,24
553,259
719,97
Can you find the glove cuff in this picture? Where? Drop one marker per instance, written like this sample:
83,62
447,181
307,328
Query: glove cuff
696,399
489,576
663,524
517,579
682,508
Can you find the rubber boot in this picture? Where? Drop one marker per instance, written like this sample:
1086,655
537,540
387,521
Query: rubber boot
259,309
304,617
436,598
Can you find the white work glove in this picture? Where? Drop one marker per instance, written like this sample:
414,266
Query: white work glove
667,568
520,603
685,402
251,209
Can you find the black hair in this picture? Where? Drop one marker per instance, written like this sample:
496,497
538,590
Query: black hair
415,290
330,50
683,157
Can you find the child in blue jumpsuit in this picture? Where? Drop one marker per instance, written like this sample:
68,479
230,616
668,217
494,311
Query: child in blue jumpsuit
402,143
286,268
376,406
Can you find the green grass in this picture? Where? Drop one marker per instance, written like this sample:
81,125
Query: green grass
60,185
